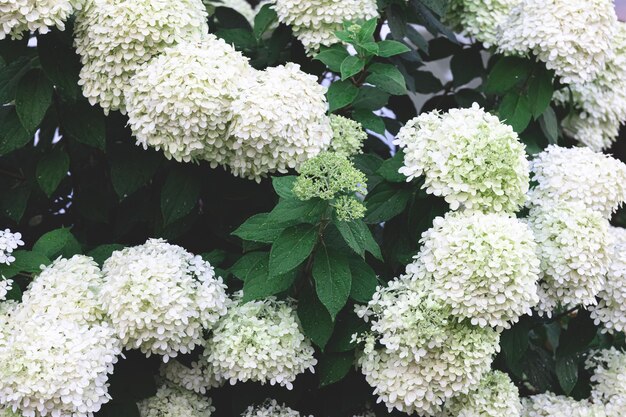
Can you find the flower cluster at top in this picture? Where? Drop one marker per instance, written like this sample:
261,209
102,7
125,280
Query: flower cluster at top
175,402
19,16
609,380
315,22
348,135
8,243
270,408
468,157
552,405
259,341
480,19
199,377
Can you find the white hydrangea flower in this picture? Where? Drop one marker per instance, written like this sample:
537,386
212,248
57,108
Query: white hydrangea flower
270,408
485,266
115,37
160,297
575,252
5,287
314,22
8,243
198,378
175,402
609,379
179,102
467,156
427,356
496,396
279,122
572,37
480,18
551,405
260,341
565,175
20,16
348,136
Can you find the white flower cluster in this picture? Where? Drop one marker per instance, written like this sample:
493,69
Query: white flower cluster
348,135
8,243
467,156
427,355
551,405
259,341
199,377
480,19
56,352
175,402
270,408
572,37
484,266
115,37
609,378
179,102
5,287
19,16
314,22
160,297
496,396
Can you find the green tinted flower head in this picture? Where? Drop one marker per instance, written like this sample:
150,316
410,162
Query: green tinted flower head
348,135
348,208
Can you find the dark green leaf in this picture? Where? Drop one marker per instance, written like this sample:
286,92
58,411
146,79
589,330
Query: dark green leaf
85,124
13,204
132,168
249,264
387,77
340,94
390,48
284,185
417,39
426,82
60,62
180,194
364,281
241,39
333,57
291,248
369,120
385,201
333,367
52,169
566,372
367,29
368,48
57,242
430,21
370,98
11,75
549,125
347,326
437,6
260,284
308,211
104,252
32,99
514,110
350,66
264,19
13,136
25,261
466,66
231,19
507,73
333,280
260,228
389,169
315,320
214,257
540,91
397,22
514,341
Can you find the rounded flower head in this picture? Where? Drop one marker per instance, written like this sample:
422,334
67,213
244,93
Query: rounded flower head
314,22
270,408
485,266
427,356
175,402
5,287
260,341
328,175
115,37
480,19
609,379
8,243
572,37
20,16
496,396
160,297
566,175
179,102
348,135
467,156
574,250
199,377
279,122
551,405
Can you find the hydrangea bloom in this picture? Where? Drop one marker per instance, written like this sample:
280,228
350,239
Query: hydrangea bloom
160,297
270,408
19,16
496,396
8,243
115,37
572,37
175,402
179,102
348,135
551,405
198,378
5,287
485,266
260,341
427,356
609,378
467,156
480,18
574,249
315,22
578,175
279,122
328,175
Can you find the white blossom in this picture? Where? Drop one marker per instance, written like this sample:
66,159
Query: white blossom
199,377
115,37
175,402
279,122
8,243
480,19
467,156
260,341
551,405
5,287
20,16
270,408
179,102
572,37
609,380
160,297
314,22
565,175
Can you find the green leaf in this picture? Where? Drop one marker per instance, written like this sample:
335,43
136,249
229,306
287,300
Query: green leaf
437,6
358,237
85,124
315,320
214,257
514,342
350,66
284,186
249,264
260,284
333,367
566,369
389,169
347,325
52,169
426,82
180,194
11,75
430,21
261,228
291,248
308,211
549,125
514,110
25,261
390,48
230,18
241,39
57,242
369,120
103,252
466,66
364,281
333,280
13,136
132,168
540,91
263,20
13,204
340,94
60,62
506,74
333,57
385,201
367,29
32,99
368,48
387,77
370,98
